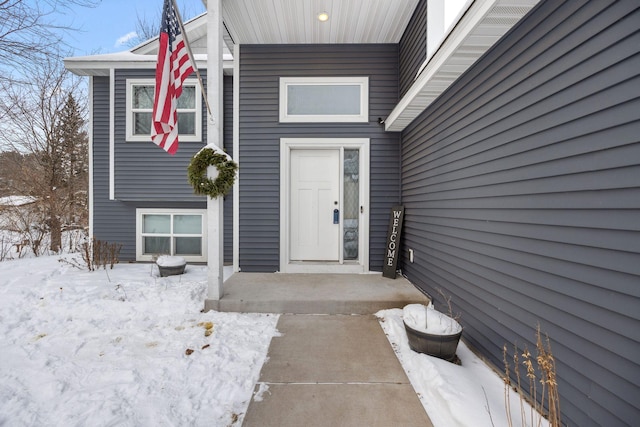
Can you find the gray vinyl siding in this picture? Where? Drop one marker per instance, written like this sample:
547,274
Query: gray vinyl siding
228,147
145,176
112,222
261,66
521,185
142,170
413,47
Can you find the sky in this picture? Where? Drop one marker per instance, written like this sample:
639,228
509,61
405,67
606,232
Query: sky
110,25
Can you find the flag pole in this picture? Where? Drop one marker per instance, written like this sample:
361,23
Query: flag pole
193,61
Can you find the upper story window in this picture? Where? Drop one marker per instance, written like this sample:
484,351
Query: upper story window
324,99
140,93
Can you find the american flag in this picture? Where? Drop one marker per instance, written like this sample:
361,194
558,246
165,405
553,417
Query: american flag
172,69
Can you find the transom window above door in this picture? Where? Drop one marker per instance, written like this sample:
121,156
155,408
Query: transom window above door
324,99
140,96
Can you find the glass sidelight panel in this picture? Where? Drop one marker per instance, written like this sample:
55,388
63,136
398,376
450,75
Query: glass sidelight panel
351,203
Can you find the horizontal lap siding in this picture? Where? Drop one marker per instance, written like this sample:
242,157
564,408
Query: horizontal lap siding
261,66
145,176
112,221
143,171
228,147
413,47
522,193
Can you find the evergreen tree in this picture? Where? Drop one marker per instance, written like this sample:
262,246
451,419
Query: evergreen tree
68,169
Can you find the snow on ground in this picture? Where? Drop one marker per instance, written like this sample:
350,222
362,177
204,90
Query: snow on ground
125,347
110,348
466,395
16,200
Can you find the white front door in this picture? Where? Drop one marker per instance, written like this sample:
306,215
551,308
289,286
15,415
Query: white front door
315,205
324,205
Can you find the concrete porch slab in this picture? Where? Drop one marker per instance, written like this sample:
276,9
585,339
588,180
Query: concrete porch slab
314,293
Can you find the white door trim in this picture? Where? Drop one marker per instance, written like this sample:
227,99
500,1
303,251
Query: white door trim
362,264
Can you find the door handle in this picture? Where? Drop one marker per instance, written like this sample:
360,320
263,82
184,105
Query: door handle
336,216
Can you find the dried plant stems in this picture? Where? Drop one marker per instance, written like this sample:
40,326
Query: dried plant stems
507,384
97,253
546,370
516,363
547,365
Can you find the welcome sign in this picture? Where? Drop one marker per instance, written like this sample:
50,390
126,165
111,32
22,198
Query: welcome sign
392,249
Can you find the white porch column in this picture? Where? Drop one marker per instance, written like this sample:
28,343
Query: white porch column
215,242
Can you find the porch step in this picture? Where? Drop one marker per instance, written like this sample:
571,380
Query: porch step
314,293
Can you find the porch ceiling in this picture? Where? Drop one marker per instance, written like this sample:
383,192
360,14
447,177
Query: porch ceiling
296,21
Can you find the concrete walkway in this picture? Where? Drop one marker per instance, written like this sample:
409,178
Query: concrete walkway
333,370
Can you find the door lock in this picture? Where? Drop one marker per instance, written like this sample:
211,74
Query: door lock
336,216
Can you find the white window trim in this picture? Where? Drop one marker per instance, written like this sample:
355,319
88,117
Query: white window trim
151,82
140,256
363,117
112,138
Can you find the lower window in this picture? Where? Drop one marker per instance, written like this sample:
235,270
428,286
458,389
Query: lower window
180,232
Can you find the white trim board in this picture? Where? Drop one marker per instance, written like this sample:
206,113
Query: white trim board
236,158
90,156
112,137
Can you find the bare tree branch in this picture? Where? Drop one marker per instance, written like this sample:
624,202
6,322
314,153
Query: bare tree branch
28,33
149,27
46,131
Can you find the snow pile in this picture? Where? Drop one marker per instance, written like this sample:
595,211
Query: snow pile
466,395
17,200
429,320
122,347
170,261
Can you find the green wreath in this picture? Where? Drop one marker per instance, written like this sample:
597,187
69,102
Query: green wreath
197,173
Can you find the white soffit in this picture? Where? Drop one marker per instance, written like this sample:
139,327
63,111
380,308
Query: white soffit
296,21
481,26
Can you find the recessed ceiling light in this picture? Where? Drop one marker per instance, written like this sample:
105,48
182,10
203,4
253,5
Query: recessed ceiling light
323,16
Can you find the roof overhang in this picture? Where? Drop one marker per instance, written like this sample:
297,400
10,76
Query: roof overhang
145,55
100,65
479,28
